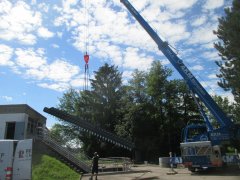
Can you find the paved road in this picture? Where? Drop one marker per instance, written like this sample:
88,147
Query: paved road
154,172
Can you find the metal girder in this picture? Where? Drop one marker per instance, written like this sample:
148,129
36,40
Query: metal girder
92,129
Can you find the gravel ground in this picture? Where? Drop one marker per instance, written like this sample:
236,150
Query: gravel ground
154,172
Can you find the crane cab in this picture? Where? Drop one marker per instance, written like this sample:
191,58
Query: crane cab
195,131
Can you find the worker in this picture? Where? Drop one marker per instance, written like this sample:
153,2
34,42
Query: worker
95,165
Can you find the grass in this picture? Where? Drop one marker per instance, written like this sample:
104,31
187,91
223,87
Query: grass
49,168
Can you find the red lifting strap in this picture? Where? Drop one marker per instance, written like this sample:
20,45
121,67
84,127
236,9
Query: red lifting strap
86,58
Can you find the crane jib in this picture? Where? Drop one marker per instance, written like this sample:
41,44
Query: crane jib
184,71
163,46
192,82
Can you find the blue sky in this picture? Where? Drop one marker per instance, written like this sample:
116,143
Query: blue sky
42,43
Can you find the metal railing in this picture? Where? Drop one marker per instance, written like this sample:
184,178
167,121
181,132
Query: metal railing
116,163
80,160
63,151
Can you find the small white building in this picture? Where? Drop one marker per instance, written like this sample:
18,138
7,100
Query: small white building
19,121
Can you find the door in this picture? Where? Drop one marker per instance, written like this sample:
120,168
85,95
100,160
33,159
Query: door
10,130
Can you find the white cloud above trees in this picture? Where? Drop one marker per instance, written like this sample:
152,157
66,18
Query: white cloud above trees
213,4
114,36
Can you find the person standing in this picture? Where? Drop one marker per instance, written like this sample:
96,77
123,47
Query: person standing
95,165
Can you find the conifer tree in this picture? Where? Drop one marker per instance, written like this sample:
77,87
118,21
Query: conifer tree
228,46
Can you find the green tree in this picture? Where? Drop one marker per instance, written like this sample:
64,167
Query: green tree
134,122
99,106
229,49
151,110
68,102
179,108
155,111
230,108
157,89
106,94
173,107
66,136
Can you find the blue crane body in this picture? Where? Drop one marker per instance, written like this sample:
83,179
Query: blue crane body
228,132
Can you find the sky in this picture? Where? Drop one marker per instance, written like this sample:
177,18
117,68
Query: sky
42,44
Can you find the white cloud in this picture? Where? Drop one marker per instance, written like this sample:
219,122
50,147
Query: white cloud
164,61
55,46
78,81
7,98
172,5
127,74
229,96
5,6
56,86
33,2
114,35
208,46
35,74
197,68
27,39
69,3
111,30
203,35
110,52
199,21
213,89
134,59
61,71
211,86
179,5
211,55
30,58
212,76
6,53
59,34
173,31
45,33
213,4
18,22
44,7
32,64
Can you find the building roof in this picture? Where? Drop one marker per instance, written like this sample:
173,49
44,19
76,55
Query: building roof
21,108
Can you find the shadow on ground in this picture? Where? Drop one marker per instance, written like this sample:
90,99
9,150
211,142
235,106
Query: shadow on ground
227,171
148,178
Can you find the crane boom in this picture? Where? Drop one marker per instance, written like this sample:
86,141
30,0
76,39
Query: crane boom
228,131
192,82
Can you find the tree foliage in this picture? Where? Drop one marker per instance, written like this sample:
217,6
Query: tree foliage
151,110
98,106
106,94
229,49
231,109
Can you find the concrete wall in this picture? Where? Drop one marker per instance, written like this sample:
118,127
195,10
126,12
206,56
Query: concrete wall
25,119
13,117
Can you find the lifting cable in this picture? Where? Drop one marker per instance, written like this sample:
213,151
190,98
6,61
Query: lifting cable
86,41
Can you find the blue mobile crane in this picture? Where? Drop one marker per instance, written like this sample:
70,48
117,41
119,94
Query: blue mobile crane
202,143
